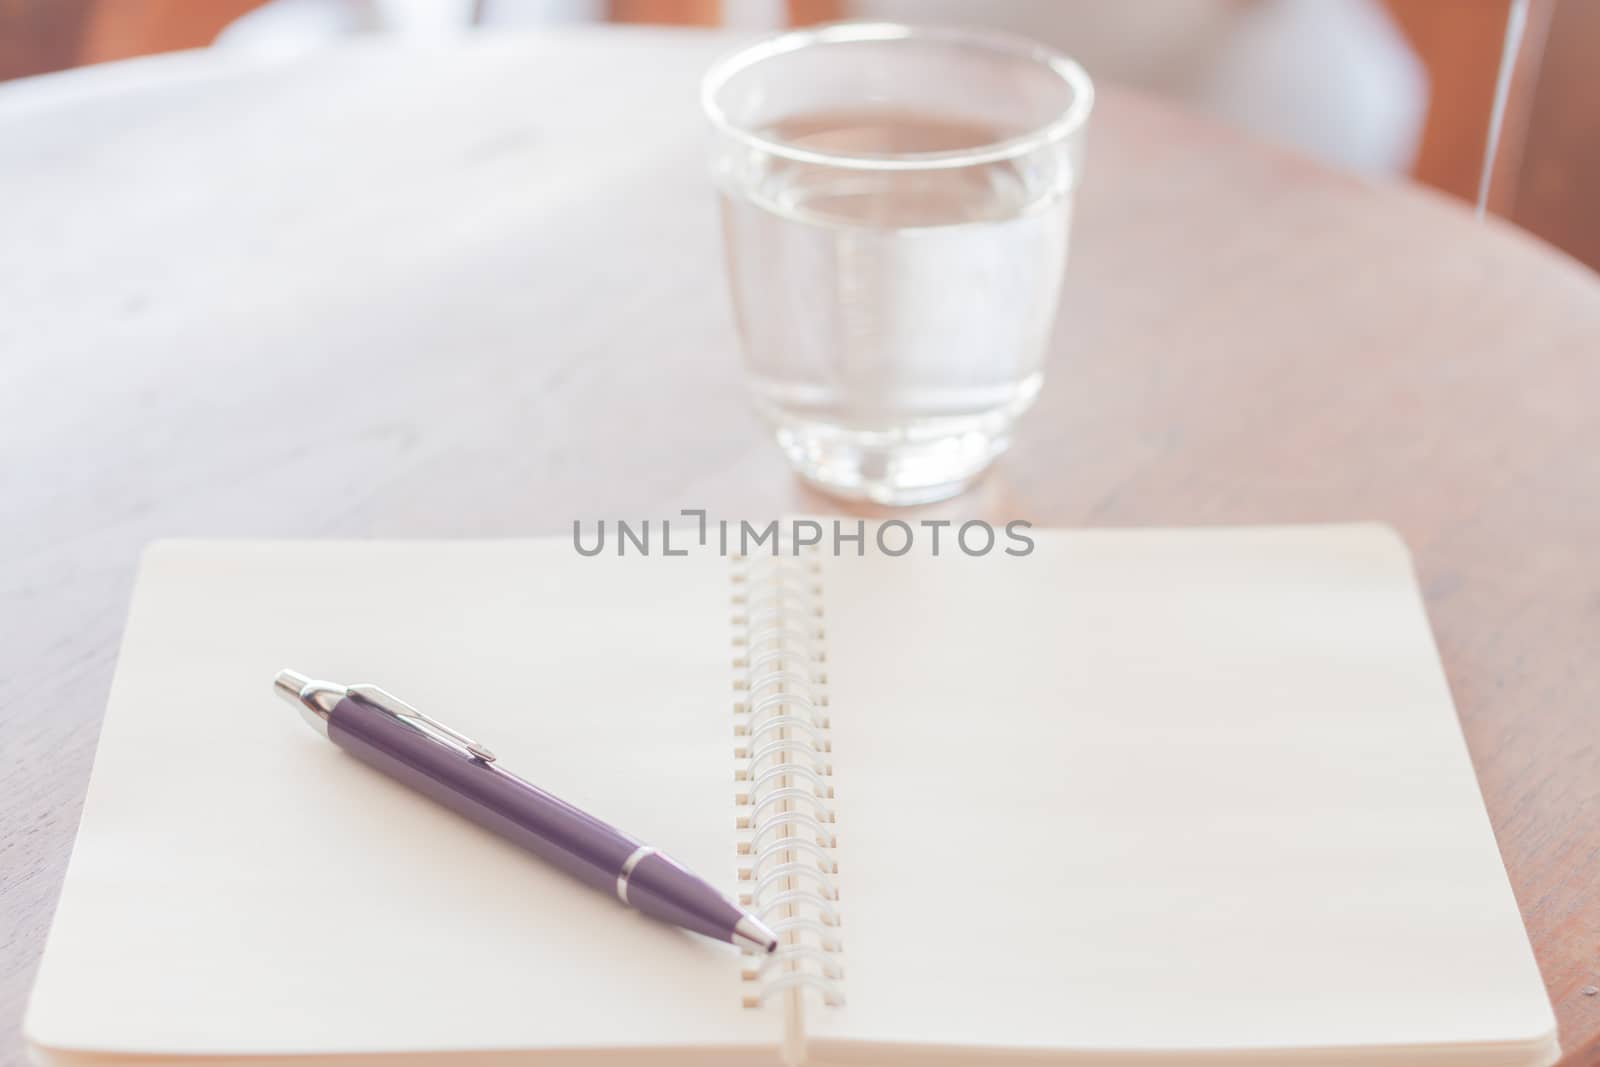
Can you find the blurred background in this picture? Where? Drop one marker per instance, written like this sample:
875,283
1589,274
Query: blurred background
1381,87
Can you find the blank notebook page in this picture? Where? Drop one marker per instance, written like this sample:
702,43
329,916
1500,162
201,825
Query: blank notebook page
242,887
1144,792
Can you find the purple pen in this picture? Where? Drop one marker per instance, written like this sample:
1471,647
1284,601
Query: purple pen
423,753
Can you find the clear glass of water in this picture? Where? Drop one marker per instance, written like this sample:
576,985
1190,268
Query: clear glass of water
895,203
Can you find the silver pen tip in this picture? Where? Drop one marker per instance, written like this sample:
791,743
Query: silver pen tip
316,700
289,684
750,933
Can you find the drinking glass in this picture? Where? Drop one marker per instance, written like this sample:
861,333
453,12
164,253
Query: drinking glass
895,206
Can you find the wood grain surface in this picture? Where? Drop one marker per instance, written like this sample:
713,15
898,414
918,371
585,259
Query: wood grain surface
477,292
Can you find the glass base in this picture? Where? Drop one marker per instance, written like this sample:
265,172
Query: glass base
857,465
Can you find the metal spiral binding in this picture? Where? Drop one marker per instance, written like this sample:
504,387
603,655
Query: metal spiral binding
784,794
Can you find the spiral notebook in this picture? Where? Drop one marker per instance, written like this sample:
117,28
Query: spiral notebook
1136,797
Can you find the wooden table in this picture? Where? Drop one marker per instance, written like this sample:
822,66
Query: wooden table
477,291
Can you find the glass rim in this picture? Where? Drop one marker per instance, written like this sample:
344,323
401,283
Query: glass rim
1063,125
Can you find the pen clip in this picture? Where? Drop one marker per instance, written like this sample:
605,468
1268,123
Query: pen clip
393,705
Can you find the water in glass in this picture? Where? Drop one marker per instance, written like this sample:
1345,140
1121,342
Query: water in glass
894,321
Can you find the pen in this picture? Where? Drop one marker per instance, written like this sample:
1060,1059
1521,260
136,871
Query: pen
386,733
